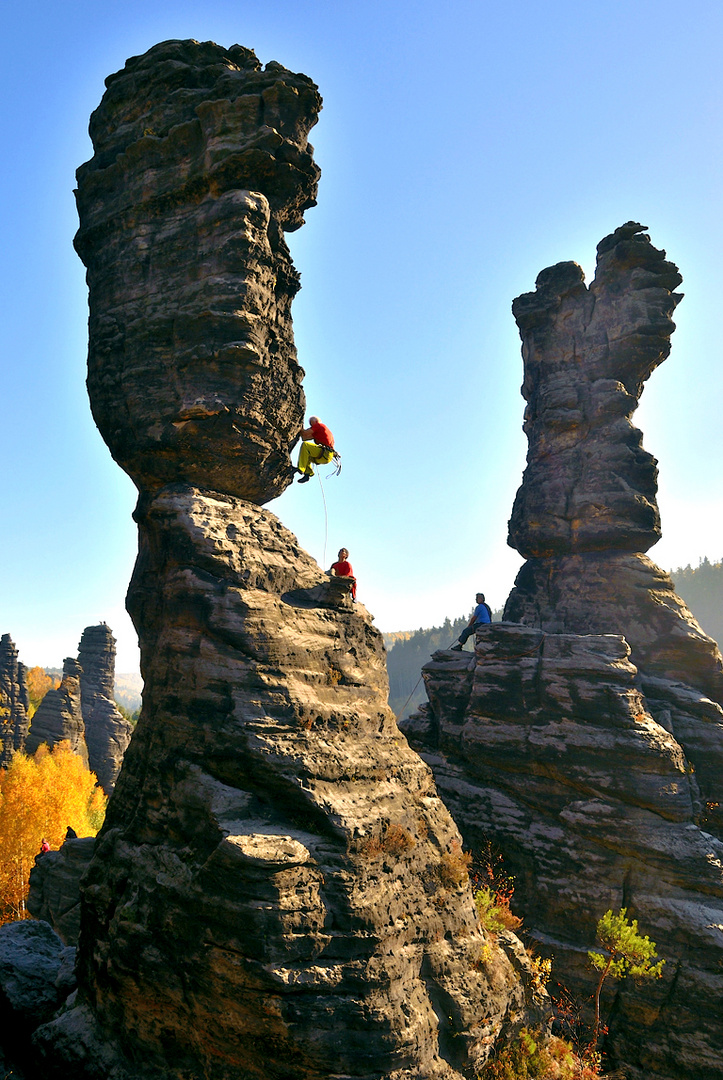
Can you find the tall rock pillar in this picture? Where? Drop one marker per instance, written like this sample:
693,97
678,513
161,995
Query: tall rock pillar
277,892
14,701
107,732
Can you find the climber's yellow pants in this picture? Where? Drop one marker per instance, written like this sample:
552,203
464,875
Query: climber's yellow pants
311,451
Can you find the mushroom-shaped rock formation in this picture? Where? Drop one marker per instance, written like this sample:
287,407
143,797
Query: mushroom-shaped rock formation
585,736
14,701
277,891
201,163
59,715
107,732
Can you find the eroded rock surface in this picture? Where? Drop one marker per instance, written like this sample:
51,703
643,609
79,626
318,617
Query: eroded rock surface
59,715
107,732
201,161
586,740
278,891
14,701
54,893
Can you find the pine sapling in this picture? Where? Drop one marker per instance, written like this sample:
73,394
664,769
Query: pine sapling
625,952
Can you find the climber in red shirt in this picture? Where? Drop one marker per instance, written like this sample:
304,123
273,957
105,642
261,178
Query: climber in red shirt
343,568
318,447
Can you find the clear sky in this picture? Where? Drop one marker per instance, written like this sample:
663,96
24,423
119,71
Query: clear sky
464,146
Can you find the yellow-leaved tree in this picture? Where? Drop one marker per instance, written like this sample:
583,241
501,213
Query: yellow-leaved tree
40,797
38,683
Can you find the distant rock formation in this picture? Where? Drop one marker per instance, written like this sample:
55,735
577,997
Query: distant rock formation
585,738
107,732
277,891
59,715
14,701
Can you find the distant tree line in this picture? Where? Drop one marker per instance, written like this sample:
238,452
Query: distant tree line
702,589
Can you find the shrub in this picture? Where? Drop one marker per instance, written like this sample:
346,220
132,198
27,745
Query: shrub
494,913
454,866
536,1056
395,840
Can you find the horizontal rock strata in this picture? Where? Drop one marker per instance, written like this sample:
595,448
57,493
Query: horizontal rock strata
586,740
107,732
201,160
278,891
545,745
59,715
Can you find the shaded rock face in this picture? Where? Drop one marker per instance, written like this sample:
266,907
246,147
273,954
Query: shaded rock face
201,161
14,701
54,893
586,740
59,715
278,890
107,732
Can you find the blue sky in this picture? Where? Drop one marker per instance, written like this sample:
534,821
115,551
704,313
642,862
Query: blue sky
463,148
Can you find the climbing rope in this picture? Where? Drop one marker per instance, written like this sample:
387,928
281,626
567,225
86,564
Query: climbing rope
326,518
400,714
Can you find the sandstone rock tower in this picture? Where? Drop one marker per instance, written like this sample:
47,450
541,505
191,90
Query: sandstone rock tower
14,701
277,891
107,732
59,715
585,737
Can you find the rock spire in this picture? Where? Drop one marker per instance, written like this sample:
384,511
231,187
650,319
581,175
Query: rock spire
277,891
59,715
14,701
107,732
585,736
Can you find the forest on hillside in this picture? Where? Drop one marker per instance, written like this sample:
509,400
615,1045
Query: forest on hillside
701,587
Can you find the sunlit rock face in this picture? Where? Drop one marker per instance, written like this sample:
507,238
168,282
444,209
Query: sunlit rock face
278,891
14,701
107,732
201,162
59,716
584,738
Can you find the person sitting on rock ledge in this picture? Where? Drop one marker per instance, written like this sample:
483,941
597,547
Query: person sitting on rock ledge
343,568
481,615
318,446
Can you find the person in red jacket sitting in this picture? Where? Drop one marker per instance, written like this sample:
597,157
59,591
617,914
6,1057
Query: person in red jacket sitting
318,447
342,568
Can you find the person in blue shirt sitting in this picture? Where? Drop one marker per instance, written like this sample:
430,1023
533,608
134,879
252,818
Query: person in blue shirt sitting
482,614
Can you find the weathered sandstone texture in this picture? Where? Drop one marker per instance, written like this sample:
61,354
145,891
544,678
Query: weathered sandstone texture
14,701
201,163
54,893
585,737
278,892
59,715
107,732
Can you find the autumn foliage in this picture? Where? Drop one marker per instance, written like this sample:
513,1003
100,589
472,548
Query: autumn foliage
38,683
40,797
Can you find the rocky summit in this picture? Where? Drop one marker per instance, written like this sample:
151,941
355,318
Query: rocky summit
584,738
107,732
278,891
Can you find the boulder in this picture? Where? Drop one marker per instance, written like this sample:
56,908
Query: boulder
54,893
